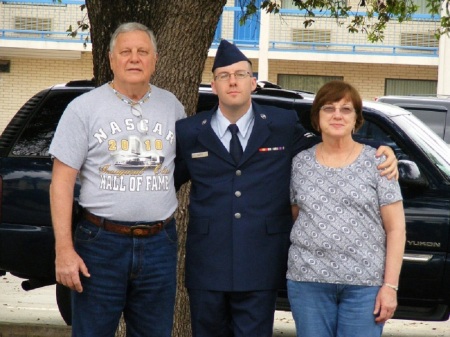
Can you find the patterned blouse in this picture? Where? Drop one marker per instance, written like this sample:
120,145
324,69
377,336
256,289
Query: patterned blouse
339,236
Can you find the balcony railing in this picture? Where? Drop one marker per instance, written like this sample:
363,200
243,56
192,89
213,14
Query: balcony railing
415,37
48,20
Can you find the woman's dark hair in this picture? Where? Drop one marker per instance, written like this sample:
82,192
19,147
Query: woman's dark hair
332,92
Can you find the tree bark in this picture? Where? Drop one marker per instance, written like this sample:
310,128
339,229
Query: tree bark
184,32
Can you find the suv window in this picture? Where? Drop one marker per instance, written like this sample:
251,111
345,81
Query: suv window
433,111
435,117
376,135
37,135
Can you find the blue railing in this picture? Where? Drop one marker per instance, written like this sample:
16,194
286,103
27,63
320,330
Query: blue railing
47,2
412,38
39,35
341,48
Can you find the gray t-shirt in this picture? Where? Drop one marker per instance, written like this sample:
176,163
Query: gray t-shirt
338,236
126,173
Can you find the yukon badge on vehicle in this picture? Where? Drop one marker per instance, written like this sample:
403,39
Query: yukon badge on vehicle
423,244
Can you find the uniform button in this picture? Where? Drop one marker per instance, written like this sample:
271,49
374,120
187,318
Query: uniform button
237,193
237,215
238,172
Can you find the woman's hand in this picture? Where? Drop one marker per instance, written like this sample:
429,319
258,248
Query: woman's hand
385,304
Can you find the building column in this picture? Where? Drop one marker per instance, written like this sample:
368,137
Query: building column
263,64
443,86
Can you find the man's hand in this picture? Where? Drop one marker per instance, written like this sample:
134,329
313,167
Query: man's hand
390,166
69,265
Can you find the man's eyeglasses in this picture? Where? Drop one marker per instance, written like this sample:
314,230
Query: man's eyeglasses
238,75
136,108
142,126
345,110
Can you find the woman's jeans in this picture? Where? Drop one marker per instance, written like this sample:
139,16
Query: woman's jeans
133,276
333,310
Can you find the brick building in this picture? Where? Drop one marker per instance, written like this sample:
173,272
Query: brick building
35,52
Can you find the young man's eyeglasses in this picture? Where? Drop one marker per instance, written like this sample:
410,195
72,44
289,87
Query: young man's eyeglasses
238,75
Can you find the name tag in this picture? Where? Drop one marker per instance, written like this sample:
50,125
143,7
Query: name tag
200,154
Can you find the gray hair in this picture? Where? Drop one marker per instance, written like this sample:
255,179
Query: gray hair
131,27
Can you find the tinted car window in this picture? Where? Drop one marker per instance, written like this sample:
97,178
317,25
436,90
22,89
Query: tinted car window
433,111
434,117
37,135
431,146
206,101
373,133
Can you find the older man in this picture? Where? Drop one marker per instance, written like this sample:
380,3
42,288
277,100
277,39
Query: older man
120,140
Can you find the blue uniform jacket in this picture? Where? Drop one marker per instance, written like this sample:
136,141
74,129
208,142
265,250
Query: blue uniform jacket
239,215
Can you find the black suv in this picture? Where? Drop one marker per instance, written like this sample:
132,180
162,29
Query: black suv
433,111
26,236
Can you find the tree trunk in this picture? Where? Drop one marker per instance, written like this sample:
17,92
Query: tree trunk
184,31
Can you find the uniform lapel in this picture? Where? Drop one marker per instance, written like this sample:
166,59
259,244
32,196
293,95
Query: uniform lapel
259,135
208,138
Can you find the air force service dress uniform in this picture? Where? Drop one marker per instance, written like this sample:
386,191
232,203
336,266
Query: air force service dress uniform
239,214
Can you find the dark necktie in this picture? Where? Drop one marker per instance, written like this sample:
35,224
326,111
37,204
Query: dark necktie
235,144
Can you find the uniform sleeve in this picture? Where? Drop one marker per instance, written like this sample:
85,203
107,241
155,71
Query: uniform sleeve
304,139
181,174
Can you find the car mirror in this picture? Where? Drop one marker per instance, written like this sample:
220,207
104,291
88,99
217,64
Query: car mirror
410,173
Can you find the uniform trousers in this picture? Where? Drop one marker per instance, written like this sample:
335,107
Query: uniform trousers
232,314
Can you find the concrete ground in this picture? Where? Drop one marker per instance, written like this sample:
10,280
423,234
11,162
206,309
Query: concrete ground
29,314
35,314
284,327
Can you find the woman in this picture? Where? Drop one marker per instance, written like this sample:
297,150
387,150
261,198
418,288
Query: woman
348,239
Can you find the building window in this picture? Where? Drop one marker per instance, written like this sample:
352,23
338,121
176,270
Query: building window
419,39
32,23
307,83
422,6
289,4
310,36
410,87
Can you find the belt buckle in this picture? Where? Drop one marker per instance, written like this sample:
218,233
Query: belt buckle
138,230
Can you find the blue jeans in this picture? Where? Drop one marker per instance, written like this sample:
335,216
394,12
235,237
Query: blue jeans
133,276
333,310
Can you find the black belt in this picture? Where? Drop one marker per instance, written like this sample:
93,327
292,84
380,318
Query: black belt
140,230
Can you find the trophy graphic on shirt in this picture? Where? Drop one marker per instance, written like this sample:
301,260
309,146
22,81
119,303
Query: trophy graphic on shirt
136,152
